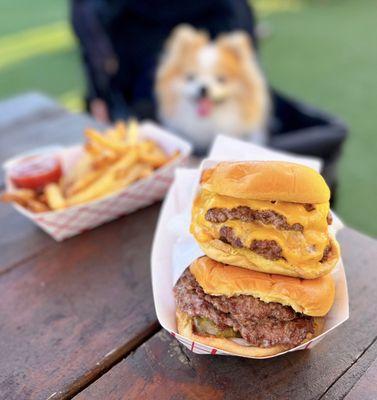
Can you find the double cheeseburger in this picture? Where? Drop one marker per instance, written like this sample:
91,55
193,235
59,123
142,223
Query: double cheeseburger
266,216
247,312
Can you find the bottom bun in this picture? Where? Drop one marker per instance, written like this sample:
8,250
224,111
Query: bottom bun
184,323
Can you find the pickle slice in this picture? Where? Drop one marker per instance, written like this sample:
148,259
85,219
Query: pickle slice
204,326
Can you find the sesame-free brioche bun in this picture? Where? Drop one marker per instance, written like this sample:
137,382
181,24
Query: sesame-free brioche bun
184,325
313,297
267,180
242,257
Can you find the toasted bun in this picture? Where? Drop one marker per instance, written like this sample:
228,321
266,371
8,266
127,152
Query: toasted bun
267,180
184,325
248,259
312,297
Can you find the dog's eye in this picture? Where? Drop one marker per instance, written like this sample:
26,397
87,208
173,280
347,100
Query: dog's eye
190,77
221,79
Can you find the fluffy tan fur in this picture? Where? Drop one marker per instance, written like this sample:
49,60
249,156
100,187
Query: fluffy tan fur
235,60
180,51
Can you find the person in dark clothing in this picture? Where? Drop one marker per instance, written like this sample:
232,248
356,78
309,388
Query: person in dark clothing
121,40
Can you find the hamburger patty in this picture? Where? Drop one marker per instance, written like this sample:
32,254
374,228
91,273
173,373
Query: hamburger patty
246,214
326,253
269,249
228,236
309,207
329,218
259,323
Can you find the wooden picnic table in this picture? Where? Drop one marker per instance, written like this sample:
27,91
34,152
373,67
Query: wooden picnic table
77,317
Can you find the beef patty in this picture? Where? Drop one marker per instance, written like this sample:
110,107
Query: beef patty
269,249
246,214
260,324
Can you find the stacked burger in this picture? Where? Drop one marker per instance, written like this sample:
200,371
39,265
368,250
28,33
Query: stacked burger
264,285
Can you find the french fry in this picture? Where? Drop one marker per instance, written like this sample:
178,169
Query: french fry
83,182
104,161
146,172
19,196
118,132
92,192
102,185
121,129
133,174
145,146
106,142
81,168
93,150
25,198
36,206
42,198
110,161
144,169
54,196
132,132
153,156
111,133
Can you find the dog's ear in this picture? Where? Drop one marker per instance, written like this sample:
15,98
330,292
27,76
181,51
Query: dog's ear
184,38
239,44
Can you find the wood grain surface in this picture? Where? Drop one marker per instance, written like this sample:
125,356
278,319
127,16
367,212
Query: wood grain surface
162,368
77,317
68,310
20,239
70,313
366,388
23,109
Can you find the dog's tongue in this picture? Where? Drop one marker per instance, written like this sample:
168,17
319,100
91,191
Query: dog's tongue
205,107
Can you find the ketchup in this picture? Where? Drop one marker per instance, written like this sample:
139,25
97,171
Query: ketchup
35,172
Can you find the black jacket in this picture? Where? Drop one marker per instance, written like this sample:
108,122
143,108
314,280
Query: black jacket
130,34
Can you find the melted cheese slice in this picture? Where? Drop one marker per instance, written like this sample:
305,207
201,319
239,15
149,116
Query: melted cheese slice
299,248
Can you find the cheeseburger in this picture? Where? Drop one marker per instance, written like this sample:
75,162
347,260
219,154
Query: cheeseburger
247,312
266,216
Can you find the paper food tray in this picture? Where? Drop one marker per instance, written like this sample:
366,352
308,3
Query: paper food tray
174,249
71,221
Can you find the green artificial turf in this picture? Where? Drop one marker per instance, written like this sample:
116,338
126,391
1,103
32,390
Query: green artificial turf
320,51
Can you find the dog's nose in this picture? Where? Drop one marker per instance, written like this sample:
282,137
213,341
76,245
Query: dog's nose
203,91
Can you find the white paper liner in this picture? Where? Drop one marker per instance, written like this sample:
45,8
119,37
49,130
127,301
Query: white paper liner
174,248
71,221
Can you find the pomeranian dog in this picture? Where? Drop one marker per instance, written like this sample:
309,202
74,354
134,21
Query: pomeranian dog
204,88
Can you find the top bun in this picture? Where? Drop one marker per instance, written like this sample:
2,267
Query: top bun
313,297
267,180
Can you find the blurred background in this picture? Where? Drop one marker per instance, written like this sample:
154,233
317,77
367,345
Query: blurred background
321,52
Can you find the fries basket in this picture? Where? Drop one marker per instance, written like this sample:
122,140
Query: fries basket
174,248
74,220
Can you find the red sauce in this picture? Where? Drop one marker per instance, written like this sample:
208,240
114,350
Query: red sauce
35,172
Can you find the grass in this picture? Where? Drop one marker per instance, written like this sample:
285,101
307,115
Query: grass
20,15
324,52
320,51
38,51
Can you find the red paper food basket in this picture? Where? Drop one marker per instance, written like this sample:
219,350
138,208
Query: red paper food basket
74,220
